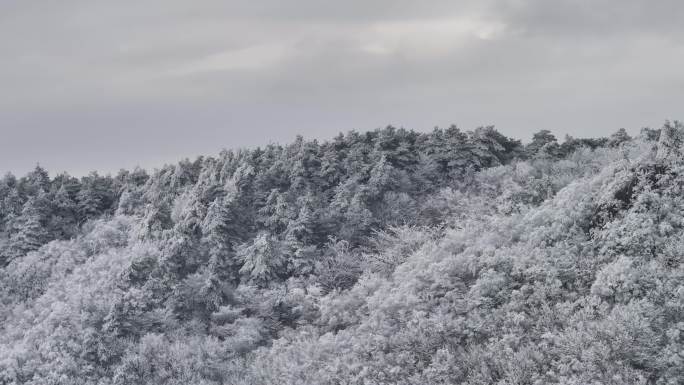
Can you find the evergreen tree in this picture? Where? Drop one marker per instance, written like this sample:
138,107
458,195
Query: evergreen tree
30,232
89,203
670,142
63,221
219,235
544,144
10,204
619,137
456,155
263,260
35,181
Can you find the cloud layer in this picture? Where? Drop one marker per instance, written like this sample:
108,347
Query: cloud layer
101,85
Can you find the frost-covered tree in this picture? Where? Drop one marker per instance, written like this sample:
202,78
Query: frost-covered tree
263,259
90,199
544,144
29,231
220,235
670,142
619,137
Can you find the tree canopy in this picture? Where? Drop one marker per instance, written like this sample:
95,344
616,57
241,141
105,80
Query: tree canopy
385,257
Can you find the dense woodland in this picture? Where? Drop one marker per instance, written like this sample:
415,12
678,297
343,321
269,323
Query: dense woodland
385,257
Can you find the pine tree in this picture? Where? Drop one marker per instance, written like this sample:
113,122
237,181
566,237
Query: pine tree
619,137
381,178
10,207
89,202
671,142
544,144
218,237
30,233
64,211
263,259
35,181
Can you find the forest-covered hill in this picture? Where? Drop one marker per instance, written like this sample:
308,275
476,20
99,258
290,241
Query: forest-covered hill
386,257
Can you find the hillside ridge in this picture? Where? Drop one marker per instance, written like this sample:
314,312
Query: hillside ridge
387,257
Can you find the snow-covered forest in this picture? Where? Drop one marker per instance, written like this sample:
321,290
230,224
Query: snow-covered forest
385,257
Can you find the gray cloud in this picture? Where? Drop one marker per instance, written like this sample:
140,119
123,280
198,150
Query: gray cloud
102,85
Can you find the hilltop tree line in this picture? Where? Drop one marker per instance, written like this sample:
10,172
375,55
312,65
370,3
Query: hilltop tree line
386,257
346,187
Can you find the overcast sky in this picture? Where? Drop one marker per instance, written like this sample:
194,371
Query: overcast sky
88,84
